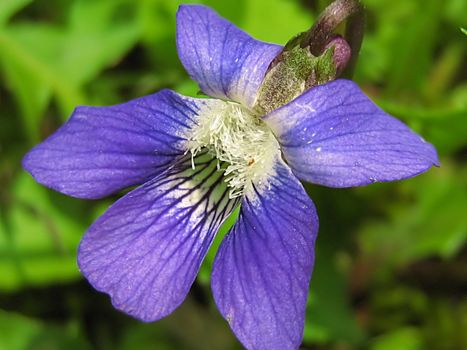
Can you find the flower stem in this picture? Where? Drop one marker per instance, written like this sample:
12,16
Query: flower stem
333,15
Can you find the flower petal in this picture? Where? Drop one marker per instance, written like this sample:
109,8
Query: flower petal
224,60
101,150
334,135
263,267
146,250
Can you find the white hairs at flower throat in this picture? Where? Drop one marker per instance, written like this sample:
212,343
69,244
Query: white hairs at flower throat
236,136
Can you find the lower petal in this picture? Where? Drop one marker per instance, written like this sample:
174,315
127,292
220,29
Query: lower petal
146,250
262,270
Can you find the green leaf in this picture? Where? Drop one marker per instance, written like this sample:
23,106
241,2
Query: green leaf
22,333
97,44
444,127
44,60
38,237
455,12
329,317
430,223
275,20
9,7
413,51
232,10
408,338
28,62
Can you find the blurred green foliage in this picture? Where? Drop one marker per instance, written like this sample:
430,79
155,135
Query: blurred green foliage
391,266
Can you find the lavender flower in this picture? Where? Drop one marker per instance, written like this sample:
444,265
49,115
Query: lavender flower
198,159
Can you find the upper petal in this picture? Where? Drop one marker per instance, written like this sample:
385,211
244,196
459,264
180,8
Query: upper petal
101,150
263,267
225,61
146,250
334,135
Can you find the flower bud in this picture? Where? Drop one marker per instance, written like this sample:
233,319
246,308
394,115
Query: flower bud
341,54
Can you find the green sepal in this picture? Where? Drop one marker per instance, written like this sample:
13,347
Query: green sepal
294,71
324,68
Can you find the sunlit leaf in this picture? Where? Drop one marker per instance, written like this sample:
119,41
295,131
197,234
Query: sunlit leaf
276,20
9,7
404,338
44,60
456,12
24,58
92,46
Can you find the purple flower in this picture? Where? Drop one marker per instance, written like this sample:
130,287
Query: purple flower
197,160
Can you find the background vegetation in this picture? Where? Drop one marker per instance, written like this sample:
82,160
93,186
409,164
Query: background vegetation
391,269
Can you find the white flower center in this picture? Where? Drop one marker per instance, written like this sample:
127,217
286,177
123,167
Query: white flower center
236,136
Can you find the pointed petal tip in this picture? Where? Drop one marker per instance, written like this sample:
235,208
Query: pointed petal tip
187,7
26,163
435,157
182,9
334,135
32,164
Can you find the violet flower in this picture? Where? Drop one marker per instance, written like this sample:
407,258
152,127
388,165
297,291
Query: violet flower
197,160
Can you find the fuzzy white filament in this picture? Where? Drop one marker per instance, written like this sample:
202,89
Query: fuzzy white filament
234,135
